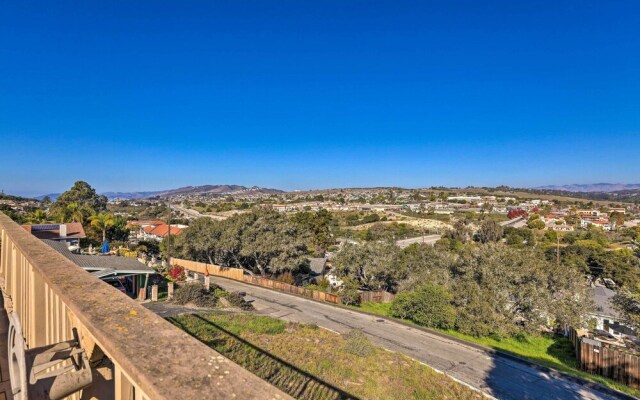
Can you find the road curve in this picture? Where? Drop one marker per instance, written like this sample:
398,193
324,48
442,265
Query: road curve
495,375
428,239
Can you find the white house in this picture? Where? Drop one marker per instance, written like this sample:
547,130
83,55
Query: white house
607,318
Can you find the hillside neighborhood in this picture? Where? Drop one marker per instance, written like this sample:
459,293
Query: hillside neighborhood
329,200
364,247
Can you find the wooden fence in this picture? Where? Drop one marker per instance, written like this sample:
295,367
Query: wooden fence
209,269
379,296
597,358
238,275
287,288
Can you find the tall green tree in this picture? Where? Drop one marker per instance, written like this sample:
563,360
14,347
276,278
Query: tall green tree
319,225
373,264
201,241
273,243
85,198
490,231
262,241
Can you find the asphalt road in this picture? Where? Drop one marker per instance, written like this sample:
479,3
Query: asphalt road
187,211
428,239
495,375
517,222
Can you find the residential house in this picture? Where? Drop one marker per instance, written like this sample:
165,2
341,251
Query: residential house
154,229
606,317
602,221
132,274
159,232
69,233
318,266
588,213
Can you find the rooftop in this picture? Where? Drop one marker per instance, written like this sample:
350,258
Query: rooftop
602,298
52,231
101,263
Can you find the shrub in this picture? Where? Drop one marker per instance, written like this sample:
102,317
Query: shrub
371,218
287,277
176,273
237,300
429,305
323,283
536,224
196,294
349,293
357,343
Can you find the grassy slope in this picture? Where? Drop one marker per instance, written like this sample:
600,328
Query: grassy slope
288,355
549,351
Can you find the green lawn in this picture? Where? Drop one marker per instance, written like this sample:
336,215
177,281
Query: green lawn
550,351
312,363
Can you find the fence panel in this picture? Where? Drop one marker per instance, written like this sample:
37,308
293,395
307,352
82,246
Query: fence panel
379,296
596,358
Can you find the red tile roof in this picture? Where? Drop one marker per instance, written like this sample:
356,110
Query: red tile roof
163,230
154,222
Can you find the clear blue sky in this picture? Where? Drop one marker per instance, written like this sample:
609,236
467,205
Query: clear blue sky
137,95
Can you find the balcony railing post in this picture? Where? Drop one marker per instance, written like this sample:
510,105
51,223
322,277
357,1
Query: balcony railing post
170,290
154,292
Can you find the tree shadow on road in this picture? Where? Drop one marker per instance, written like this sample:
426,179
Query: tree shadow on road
510,379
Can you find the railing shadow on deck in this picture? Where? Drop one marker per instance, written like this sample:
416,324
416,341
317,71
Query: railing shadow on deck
312,388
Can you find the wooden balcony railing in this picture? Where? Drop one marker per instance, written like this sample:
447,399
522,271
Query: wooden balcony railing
134,354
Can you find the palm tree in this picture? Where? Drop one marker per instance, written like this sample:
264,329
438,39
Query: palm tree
75,212
102,222
38,217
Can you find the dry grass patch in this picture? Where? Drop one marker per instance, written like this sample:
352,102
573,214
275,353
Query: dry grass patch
312,363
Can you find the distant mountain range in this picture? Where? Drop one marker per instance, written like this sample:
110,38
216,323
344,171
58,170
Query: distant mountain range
187,190
592,187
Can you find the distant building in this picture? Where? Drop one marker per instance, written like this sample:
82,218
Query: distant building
562,228
154,229
161,231
69,233
465,198
588,213
602,221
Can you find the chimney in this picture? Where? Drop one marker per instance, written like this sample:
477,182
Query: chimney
63,230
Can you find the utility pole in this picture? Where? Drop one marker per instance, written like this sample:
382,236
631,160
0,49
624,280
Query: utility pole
169,234
558,248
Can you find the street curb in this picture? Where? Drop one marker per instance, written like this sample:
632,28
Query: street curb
553,372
